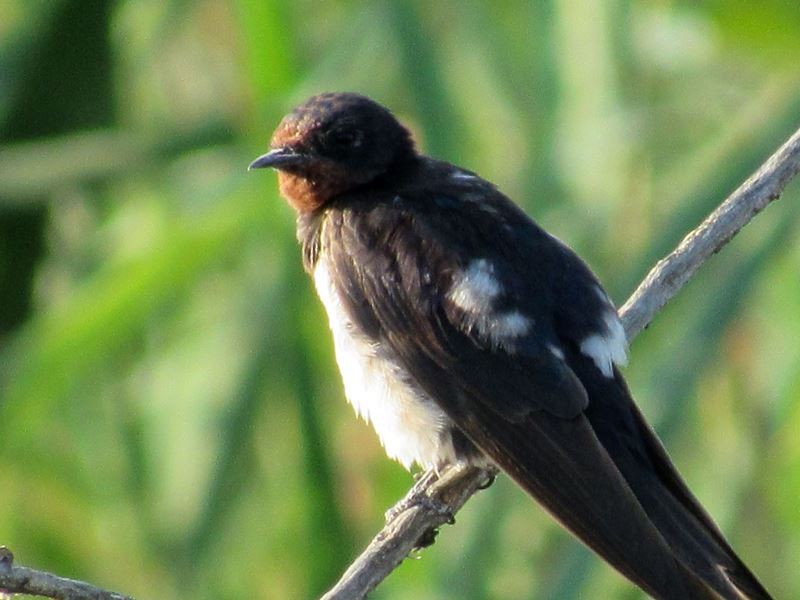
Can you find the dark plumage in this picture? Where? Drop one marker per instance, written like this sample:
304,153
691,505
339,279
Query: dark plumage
464,332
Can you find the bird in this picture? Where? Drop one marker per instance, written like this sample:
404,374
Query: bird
468,335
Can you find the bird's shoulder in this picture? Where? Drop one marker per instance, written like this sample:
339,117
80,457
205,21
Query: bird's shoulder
455,278
449,213
440,229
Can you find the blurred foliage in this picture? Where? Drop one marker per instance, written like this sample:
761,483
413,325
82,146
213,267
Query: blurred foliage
171,420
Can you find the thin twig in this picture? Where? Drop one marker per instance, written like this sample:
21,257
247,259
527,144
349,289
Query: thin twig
412,523
22,580
672,272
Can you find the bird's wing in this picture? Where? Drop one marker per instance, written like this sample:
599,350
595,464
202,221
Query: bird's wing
514,395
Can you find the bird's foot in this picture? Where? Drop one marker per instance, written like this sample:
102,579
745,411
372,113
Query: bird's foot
420,501
490,478
418,497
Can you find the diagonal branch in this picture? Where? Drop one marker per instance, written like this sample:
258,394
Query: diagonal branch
672,272
412,523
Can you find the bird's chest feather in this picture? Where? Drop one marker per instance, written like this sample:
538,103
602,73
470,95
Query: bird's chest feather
410,425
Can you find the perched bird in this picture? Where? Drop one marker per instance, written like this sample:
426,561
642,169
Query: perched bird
466,333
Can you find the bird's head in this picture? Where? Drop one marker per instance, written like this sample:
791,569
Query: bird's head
331,144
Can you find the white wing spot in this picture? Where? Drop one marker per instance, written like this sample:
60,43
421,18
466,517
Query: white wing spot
463,176
556,351
474,291
608,348
511,324
475,288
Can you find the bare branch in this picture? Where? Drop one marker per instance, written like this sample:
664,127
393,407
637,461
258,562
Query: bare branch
22,580
412,523
673,271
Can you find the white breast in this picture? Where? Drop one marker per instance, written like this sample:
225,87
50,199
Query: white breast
411,427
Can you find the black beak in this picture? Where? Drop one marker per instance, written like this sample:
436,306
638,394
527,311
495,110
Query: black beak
278,158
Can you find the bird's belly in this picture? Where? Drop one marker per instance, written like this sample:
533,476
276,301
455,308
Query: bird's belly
410,425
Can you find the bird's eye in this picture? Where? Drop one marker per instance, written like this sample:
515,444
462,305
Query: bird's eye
346,138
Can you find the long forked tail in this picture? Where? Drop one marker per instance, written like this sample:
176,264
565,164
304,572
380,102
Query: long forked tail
561,463
606,477
694,538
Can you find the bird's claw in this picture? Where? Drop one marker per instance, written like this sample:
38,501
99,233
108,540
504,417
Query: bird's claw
490,478
421,501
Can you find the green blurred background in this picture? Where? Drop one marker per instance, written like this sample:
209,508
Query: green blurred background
172,424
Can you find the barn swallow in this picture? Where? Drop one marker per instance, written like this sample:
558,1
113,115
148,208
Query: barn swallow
465,333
